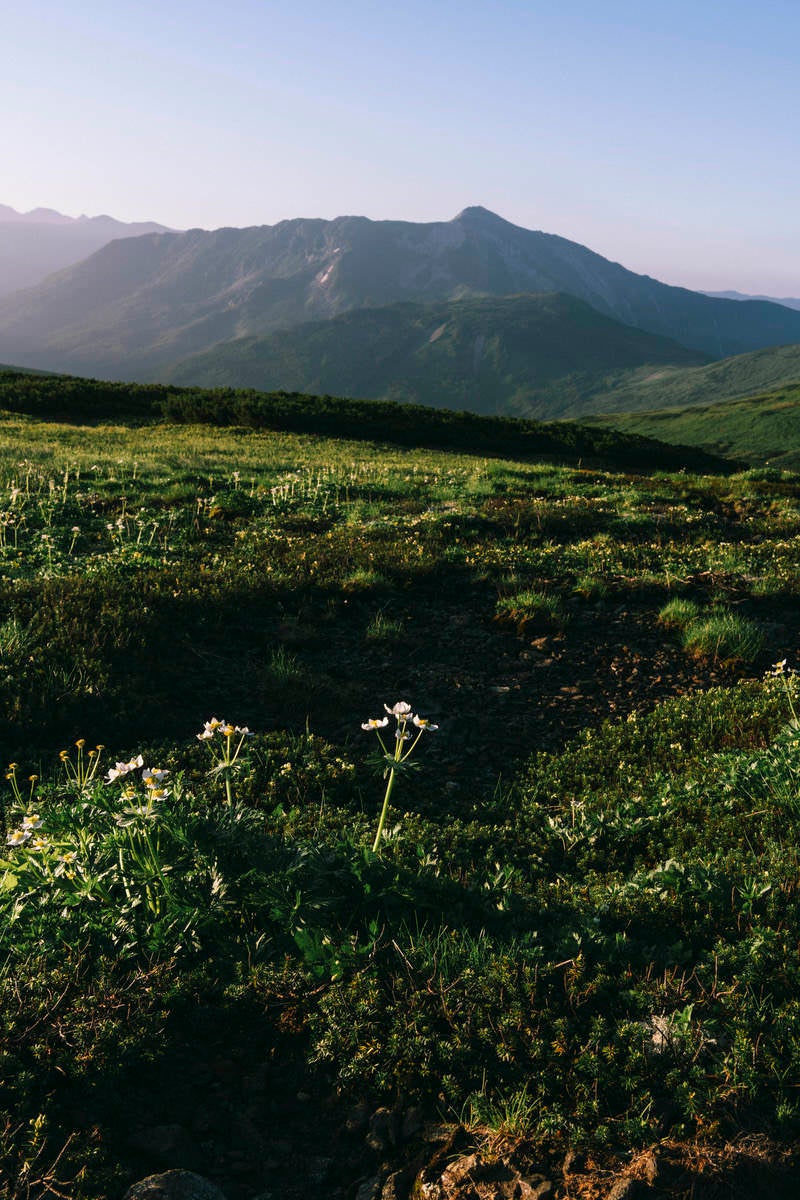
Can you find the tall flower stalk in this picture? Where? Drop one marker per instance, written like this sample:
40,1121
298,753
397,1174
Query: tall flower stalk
394,760
225,743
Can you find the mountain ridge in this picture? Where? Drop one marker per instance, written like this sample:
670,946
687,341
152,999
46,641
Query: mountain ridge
36,244
140,305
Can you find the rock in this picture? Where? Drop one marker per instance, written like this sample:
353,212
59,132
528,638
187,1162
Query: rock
573,1161
370,1189
397,1185
382,1130
625,1189
535,1187
650,1168
358,1118
174,1185
458,1171
166,1144
412,1123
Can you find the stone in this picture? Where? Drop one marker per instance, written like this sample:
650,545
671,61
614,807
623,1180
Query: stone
382,1130
412,1123
174,1185
624,1189
535,1187
370,1189
166,1145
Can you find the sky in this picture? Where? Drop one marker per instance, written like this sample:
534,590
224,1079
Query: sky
662,135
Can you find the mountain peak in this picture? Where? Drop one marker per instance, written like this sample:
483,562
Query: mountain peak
476,212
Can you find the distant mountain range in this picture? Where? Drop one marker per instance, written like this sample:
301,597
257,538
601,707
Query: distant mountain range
35,244
786,301
472,313
140,305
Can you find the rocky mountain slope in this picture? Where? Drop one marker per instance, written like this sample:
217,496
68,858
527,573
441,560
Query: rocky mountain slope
140,305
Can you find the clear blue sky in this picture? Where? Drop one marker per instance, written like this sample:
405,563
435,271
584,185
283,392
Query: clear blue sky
663,135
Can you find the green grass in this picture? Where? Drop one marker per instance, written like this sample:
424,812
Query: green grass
576,929
90,400
723,637
643,390
531,610
760,429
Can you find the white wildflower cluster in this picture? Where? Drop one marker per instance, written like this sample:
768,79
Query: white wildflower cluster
225,749
30,824
124,768
214,726
153,779
780,668
31,836
404,715
395,760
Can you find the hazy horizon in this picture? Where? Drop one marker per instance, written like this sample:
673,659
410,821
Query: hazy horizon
663,140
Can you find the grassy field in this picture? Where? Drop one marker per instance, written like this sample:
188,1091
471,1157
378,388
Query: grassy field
576,925
762,429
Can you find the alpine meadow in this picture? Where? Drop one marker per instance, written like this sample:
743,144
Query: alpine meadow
400,601
373,806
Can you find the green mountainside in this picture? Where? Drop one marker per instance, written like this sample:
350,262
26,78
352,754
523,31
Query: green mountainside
530,355
743,375
763,429
142,304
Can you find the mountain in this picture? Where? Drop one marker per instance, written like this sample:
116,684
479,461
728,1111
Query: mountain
35,244
758,429
643,389
139,305
524,355
786,301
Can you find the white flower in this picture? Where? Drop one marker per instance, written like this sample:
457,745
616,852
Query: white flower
124,768
68,857
779,668
243,730
34,821
401,710
209,729
117,772
424,723
17,837
375,723
152,777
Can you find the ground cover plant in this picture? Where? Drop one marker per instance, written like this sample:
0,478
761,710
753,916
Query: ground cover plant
227,924
761,429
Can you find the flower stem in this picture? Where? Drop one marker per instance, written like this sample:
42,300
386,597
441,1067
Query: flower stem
384,810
